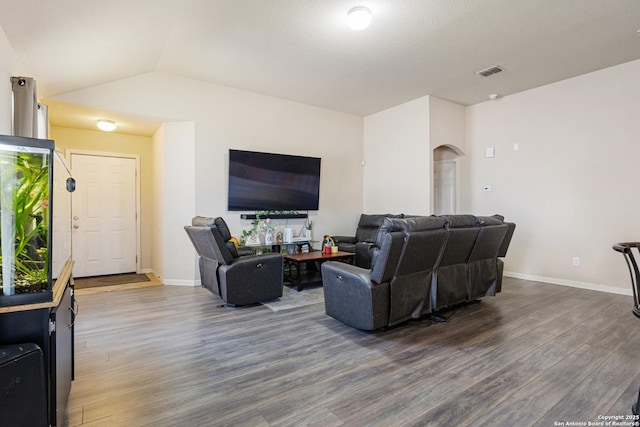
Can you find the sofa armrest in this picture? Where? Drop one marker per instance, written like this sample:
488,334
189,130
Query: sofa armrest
346,274
351,297
345,243
363,254
245,250
344,239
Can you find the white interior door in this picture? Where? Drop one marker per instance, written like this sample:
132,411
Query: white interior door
104,235
444,183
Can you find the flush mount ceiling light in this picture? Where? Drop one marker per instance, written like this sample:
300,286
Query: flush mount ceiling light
106,125
359,18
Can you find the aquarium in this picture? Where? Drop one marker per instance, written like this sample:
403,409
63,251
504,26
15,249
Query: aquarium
26,178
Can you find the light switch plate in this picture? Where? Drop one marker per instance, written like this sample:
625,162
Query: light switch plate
489,152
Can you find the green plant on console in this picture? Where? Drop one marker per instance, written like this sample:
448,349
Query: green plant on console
257,225
264,214
253,231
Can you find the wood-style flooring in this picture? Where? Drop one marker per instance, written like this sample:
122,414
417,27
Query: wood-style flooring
534,355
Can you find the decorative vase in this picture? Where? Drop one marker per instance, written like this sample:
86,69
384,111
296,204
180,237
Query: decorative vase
268,238
307,234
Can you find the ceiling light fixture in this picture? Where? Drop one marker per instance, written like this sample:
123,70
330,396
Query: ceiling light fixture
359,18
106,125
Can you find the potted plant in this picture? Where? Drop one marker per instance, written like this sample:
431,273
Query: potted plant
25,223
268,229
251,236
308,229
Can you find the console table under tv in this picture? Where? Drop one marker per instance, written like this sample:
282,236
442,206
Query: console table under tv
296,245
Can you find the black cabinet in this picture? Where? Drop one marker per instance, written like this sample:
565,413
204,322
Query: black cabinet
50,327
61,348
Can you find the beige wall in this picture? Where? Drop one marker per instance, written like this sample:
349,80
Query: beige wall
67,138
569,187
446,124
226,118
399,146
9,66
447,132
175,189
397,174
572,186
157,215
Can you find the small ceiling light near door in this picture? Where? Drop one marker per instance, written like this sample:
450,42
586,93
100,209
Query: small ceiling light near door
106,125
359,18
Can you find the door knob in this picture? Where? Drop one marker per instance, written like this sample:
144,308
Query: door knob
76,226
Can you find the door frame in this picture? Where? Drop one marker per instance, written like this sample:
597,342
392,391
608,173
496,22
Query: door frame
70,151
457,183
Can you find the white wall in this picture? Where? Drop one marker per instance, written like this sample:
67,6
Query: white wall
572,187
447,129
9,66
157,203
177,201
228,118
398,172
447,124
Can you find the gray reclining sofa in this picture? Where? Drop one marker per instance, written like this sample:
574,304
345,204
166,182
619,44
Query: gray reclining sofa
419,266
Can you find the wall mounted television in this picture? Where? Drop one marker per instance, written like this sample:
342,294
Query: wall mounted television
276,182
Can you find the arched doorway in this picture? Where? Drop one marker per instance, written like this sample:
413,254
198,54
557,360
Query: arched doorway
445,180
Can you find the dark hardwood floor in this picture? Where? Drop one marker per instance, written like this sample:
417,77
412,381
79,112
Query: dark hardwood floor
535,355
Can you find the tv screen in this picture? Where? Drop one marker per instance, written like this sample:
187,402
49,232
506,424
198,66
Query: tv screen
276,182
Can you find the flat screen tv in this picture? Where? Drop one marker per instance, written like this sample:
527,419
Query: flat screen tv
276,182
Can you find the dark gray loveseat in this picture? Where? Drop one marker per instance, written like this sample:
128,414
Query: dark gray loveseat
420,266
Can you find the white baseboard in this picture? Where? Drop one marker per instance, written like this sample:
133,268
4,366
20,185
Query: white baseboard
175,282
179,282
571,283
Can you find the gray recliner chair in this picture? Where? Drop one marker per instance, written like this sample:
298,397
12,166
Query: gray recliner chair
236,279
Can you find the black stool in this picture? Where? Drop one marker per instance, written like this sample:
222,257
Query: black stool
626,250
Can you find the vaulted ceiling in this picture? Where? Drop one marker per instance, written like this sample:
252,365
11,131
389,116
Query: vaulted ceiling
302,50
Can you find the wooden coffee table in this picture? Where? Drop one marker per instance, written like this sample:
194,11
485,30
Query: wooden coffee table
300,279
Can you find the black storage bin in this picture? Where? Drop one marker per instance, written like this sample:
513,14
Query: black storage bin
23,400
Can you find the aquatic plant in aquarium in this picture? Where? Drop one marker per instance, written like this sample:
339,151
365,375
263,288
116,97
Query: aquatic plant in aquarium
25,218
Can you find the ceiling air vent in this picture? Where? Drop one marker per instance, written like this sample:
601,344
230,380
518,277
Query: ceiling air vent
490,71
